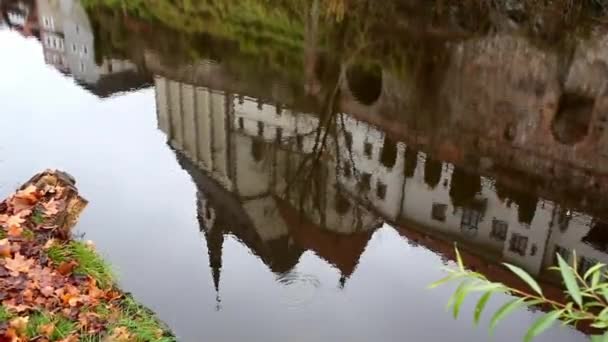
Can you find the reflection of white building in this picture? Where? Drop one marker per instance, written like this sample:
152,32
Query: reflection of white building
69,45
258,151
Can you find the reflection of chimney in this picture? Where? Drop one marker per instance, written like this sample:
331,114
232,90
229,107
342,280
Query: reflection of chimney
343,279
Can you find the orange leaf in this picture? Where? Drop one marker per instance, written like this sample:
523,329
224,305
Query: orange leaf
14,231
5,248
46,329
19,323
67,267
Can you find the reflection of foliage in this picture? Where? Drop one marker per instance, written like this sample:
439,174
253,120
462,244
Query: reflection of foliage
587,301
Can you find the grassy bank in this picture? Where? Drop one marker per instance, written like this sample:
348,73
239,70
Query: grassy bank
53,288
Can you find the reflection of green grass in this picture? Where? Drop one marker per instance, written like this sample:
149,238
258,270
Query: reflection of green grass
89,262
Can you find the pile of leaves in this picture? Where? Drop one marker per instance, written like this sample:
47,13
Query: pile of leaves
55,289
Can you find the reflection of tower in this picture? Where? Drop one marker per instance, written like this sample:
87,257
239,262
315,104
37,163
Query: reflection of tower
215,242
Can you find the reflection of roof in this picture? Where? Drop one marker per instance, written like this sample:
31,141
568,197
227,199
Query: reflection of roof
341,250
118,82
278,254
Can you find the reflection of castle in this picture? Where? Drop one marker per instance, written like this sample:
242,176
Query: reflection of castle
68,43
263,177
20,15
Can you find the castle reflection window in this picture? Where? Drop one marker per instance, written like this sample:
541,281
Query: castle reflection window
499,230
469,224
241,124
365,183
368,150
438,212
381,190
347,170
348,139
518,244
260,129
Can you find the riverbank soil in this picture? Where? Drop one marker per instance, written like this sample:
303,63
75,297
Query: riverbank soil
54,288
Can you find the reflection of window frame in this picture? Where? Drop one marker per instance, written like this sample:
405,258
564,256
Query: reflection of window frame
499,230
347,170
381,190
366,181
368,149
260,129
518,244
348,139
439,212
469,222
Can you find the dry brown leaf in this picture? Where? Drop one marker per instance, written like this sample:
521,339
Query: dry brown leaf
5,248
47,291
19,323
15,221
14,231
18,264
51,207
46,329
121,334
67,267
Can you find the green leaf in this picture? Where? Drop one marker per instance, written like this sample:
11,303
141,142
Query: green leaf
492,287
455,295
570,280
504,311
481,304
442,281
542,324
459,259
595,279
600,338
603,315
525,277
459,296
593,270
600,325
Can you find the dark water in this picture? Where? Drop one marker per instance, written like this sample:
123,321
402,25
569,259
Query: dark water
297,173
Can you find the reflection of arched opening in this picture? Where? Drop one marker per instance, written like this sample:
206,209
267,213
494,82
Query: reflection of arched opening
598,236
257,150
432,172
411,161
365,83
526,203
571,123
388,155
342,204
464,187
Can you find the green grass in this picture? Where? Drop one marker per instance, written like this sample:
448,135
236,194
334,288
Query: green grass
5,316
63,326
141,323
37,217
89,262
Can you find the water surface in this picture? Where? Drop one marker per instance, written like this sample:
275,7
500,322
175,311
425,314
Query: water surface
292,174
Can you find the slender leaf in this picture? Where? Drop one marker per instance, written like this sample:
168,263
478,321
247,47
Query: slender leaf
600,325
570,280
599,338
504,311
595,279
481,304
454,296
459,296
595,269
443,281
603,315
459,259
525,277
542,324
